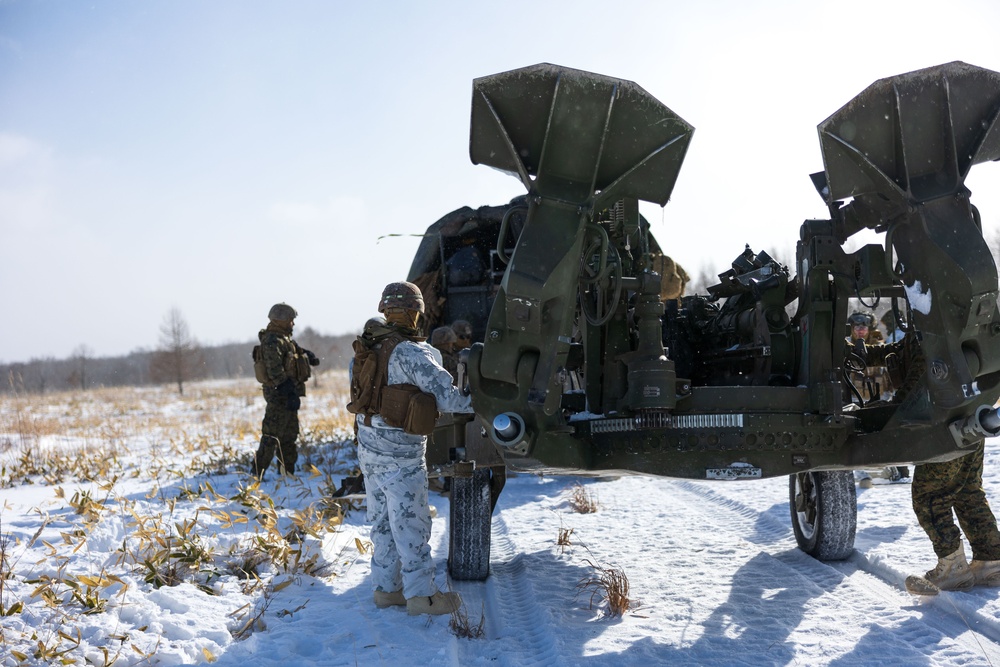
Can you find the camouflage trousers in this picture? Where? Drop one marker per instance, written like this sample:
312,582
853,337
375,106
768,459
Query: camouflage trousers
938,489
398,509
282,424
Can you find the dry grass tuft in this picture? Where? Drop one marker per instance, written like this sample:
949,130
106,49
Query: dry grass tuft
462,628
562,541
7,572
609,585
83,443
582,501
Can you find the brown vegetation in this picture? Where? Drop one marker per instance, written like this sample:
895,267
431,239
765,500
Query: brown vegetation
582,501
90,440
609,585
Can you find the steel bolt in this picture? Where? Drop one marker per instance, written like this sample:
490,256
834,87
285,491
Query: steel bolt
939,369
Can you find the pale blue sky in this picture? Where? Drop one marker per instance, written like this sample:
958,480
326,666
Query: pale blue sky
221,156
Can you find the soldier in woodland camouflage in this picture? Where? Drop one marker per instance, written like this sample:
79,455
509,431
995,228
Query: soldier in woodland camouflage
940,492
283,368
392,461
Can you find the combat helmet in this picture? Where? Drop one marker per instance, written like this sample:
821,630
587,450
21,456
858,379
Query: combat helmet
375,329
857,317
443,336
401,295
282,312
462,328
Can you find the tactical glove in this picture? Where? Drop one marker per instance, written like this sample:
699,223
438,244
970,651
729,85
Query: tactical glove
313,359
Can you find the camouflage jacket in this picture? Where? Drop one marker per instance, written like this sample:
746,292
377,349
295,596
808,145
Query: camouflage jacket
417,363
279,351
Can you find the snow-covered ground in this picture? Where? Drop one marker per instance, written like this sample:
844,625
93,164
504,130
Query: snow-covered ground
147,563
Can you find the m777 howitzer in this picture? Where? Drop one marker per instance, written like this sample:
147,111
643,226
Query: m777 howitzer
583,367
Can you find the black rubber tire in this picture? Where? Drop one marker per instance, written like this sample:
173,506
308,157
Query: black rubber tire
470,524
824,509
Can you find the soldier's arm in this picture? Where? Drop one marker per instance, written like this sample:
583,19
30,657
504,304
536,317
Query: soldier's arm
419,366
270,350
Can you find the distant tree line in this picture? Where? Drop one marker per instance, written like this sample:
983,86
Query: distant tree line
82,370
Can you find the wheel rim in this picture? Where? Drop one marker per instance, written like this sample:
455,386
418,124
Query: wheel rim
806,503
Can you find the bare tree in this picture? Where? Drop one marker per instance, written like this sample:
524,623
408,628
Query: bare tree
36,374
78,376
705,278
178,357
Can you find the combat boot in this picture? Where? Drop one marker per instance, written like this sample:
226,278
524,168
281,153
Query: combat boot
952,573
385,599
986,572
439,603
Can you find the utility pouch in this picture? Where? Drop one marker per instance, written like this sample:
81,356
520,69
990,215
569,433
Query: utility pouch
405,406
303,371
297,367
259,370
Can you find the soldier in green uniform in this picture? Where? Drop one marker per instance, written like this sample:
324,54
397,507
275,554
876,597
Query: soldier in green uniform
940,492
283,368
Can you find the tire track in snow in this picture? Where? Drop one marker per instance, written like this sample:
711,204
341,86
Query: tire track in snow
511,611
860,584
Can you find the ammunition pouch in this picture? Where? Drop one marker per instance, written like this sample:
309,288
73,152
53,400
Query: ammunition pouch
259,370
405,406
298,367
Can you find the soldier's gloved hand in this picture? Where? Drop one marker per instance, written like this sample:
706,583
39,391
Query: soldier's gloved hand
313,359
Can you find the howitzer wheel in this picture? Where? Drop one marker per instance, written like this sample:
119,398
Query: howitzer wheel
824,507
470,524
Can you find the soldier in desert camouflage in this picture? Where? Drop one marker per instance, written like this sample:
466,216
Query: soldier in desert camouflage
392,460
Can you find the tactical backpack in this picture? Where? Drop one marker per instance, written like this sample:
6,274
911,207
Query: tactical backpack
402,406
296,365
